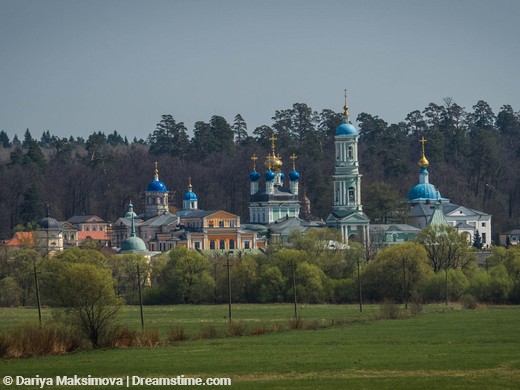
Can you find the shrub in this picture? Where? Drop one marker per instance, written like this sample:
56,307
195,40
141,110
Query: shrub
311,325
237,328
34,340
177,333
468,301
295,323
416,305
119,337
276,327
390,311
259,330
149,338
208,332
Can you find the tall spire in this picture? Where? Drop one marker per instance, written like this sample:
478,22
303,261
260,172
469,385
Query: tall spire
293,157
156,171
423,162
132,234
345,108
272,161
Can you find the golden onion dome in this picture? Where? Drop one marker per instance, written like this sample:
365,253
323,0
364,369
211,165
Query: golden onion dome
273,162
423,162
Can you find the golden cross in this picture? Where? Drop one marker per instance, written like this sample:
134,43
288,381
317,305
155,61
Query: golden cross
345,107
293,157
422,141
254,158
272,139
189,183
156,169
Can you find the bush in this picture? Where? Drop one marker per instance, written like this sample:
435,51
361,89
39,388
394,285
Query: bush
34,340
416,304
208,332
237,328
177,333
295,323
468,301
149,338
259,330
390,311
119,337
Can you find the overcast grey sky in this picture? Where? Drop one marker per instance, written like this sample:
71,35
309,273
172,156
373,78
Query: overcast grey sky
78,66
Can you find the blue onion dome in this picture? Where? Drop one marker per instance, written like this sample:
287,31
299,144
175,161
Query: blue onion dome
269,175
156,185
346,129
190,195
254,176
424,190
294,175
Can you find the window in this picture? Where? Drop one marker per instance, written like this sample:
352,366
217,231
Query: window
94,228
351,195
87,228
231,244
197,244
222,244
247,244
212,244
484,238
350,153
483,224
231,223
221,223
210,224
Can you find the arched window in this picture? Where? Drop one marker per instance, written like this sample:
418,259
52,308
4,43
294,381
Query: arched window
212,244
231,244
351,194
222,244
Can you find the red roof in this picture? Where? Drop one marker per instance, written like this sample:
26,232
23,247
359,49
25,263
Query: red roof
96,236
21,239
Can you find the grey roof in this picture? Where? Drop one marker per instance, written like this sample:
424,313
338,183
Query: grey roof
49,223
83,218
161,220
285,226
199,213
280,195
464,225
399,226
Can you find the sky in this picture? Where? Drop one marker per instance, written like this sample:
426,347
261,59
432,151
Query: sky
74,67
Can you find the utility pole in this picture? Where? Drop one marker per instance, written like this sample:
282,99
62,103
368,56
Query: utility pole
140,297
229,287
294,290
37,293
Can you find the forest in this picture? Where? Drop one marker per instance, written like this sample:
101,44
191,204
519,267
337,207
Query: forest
474,159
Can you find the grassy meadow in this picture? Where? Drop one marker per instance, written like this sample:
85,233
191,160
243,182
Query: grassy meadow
442,347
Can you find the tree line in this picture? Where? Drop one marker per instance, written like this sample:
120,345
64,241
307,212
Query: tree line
473,158
436,267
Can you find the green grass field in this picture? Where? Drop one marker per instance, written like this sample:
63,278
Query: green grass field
444,347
